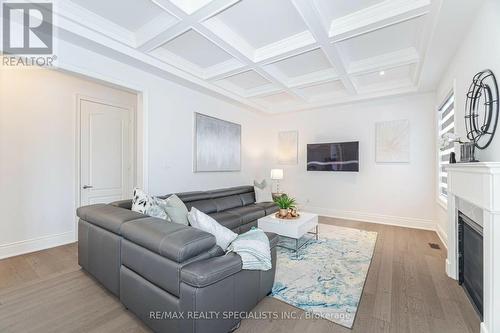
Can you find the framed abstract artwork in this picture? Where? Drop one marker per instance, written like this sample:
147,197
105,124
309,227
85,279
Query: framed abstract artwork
392,141
217,144
288,147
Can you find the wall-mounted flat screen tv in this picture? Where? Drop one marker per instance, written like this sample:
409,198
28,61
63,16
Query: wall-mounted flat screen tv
342,156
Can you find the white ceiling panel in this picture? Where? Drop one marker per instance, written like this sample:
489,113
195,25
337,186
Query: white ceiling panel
401,76
382,41
323,90
262,22
302,64
190,6
196,49
278,99
131,15
335,9
247,80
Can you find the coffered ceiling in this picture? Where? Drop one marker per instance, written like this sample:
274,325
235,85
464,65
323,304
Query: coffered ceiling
273,55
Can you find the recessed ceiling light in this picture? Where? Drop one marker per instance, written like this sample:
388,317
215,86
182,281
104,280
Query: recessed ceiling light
381,73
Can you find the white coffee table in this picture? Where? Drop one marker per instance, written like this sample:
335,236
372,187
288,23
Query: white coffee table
294,229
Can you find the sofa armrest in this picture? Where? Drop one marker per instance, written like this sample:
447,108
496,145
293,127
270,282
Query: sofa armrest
170,240
108,217
206,272
125,204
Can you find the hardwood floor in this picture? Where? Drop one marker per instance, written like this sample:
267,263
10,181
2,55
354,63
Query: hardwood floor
406,290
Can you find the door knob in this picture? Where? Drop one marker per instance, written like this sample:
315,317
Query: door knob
87,186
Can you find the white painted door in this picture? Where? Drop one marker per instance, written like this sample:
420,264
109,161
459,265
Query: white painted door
105,152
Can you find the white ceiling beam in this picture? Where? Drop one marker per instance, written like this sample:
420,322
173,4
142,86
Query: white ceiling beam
242,57
375,17
319,35
81,15
425,42
290,45
226,73
224,69
403,57
95,38
186,21
312,18
153,28
339,100
287,54
301,42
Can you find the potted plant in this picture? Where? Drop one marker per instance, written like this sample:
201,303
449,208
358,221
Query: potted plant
284,203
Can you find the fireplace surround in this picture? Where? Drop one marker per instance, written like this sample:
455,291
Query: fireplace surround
478,184
470,260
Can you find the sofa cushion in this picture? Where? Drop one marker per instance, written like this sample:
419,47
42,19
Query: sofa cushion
227,219
248,213
207,206
108,217
247,198
193,196
246,227
171,240
269,207
225,192
229,202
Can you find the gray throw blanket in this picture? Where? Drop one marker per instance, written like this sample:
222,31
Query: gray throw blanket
254,250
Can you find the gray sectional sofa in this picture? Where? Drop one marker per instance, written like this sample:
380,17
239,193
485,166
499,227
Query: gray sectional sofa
169,274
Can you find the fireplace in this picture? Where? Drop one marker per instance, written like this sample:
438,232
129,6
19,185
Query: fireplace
470,265
478,222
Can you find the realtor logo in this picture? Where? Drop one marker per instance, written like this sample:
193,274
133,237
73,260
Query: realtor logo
27,28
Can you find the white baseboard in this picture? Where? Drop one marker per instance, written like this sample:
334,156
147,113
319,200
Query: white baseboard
36,244
442,235
408,222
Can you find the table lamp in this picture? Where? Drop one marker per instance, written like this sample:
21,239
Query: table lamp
277,175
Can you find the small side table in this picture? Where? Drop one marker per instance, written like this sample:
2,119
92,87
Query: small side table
294,229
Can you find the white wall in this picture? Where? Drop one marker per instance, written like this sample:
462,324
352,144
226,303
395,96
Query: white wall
171,121
37,155
170,109
37,148
387,193
479,50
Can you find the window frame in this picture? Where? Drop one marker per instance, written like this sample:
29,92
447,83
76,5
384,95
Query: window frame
450,97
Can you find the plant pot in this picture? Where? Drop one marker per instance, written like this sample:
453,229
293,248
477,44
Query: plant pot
283,212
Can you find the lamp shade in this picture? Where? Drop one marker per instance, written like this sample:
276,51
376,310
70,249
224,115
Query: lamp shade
276,174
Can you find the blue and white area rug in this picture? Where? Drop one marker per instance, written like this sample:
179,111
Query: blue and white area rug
328,275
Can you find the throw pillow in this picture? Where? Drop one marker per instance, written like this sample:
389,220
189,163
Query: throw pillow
262,185
176,210
141,201
157,209
262,192
202,221
145,204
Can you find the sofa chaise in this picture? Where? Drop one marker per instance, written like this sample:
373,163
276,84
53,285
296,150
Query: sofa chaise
170,275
